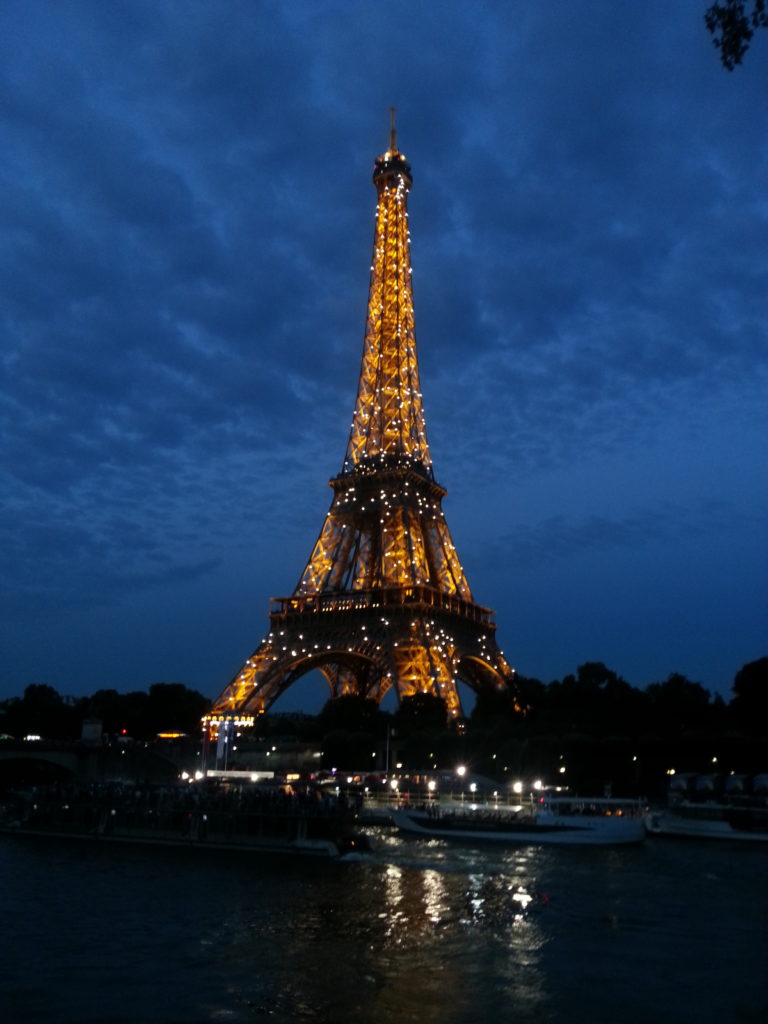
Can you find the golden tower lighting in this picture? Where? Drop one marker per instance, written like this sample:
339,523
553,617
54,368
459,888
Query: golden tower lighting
383,601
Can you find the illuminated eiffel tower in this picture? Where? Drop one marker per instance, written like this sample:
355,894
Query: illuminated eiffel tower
383,601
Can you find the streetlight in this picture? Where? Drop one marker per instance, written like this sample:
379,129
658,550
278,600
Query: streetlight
461,771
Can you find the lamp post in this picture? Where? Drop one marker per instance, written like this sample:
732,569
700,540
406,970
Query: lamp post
461,771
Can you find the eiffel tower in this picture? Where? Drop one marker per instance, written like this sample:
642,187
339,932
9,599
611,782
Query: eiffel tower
383,601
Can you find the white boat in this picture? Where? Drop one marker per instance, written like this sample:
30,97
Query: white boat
714,807
554,820
710,821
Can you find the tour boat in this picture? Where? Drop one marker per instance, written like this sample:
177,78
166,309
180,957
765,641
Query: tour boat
713,807
561,820
709,821
247,819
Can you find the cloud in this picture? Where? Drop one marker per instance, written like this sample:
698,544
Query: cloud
188,219
560,538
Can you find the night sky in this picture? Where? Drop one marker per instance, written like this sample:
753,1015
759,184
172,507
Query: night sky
187,221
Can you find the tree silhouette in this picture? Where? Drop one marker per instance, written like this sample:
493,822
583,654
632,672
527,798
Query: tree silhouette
349,713
423,712
733,25
679,704
494,708
42,712
172,707
750,700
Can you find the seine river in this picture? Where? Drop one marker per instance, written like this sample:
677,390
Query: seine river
417,931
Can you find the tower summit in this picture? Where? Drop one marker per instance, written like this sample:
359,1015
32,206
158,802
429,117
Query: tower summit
383,601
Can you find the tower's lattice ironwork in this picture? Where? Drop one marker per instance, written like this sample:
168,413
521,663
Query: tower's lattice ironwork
383,601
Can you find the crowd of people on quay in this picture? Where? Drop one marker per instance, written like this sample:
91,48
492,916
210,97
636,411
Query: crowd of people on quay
200,806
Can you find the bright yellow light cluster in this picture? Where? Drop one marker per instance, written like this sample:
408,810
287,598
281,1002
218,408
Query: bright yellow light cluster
384,546
389,417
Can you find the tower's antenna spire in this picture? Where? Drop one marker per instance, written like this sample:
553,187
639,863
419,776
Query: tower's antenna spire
392,131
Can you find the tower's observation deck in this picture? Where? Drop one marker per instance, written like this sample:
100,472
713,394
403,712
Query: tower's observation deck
383,600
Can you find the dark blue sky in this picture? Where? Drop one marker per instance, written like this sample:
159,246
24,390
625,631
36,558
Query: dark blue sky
187,222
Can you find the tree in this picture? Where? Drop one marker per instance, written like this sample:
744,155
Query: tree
41,711
733,27
351,727
750,695
494,708
531,696
172,707
121,713
679,705
350,713
423,712
594,701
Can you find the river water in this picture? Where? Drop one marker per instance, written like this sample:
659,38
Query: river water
418,931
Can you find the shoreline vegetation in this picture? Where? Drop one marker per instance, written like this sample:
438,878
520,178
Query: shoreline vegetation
590,730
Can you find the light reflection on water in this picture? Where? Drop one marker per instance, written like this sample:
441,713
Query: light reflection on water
417,932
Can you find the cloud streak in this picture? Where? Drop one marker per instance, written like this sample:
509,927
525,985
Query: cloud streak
187,219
